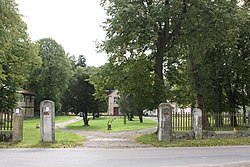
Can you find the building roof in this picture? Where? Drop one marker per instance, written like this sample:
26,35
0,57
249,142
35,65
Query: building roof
26,92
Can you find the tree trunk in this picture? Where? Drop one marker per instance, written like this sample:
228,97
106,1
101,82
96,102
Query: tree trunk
161,48
243,104
197,84
124,119
165,35
218,105
140,116
232,104
216,87
159,83
85,119
130,116
93,114
201,105
244,113
141,119
159,59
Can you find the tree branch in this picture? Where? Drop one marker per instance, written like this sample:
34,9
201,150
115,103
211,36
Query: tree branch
177,28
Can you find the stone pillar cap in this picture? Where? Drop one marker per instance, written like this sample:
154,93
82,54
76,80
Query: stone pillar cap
197,111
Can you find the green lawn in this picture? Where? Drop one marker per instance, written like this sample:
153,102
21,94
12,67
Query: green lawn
100,124
31,136
152,140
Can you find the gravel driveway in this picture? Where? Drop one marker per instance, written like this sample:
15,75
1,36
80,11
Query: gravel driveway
97,139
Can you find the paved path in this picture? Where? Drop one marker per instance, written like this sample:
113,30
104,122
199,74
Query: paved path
97,139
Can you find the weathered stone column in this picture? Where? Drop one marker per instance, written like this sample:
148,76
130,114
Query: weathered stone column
197,123
47,121
165,122
18,125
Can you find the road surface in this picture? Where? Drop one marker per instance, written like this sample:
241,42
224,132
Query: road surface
236,156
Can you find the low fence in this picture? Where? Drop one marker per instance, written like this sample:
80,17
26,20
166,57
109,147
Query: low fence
225,121
182,121
197,125
6,125
6,120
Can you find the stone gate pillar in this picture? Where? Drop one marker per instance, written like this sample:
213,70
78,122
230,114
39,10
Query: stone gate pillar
197,123
165,122
47,121
18,125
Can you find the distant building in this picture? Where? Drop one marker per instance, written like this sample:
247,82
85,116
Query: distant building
27,102
113,103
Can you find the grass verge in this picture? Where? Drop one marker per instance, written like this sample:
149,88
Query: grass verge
152,140
31,136
100,124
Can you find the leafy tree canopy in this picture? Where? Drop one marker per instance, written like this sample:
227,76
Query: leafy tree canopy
175,38
17,53
50,80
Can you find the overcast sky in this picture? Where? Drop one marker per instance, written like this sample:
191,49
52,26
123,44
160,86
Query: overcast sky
75,24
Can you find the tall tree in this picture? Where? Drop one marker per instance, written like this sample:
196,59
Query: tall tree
79,95
156,29
203,34
152,28
143,27
17,53
50,80
213,54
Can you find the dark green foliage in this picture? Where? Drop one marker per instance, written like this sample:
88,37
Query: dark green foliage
201,47
134,82
81,61
79,95
49,81
17,54
143,29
